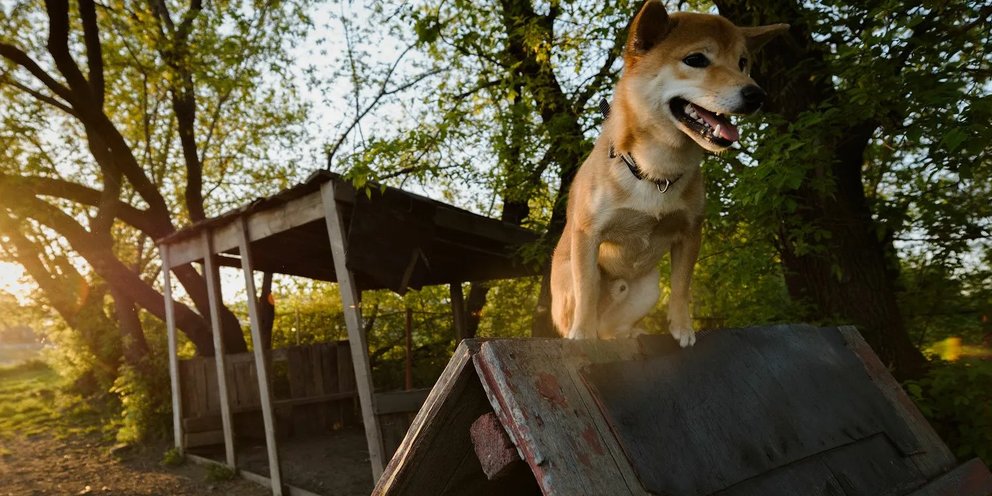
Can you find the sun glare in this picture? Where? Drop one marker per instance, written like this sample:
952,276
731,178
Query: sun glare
13,280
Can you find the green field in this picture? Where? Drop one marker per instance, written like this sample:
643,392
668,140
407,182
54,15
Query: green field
27,398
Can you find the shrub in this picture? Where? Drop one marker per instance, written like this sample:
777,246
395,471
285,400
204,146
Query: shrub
957,399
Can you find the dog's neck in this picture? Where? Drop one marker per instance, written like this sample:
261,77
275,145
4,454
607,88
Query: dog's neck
661,150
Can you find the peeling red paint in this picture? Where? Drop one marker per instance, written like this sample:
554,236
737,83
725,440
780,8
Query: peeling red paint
592,439
584,459
548,387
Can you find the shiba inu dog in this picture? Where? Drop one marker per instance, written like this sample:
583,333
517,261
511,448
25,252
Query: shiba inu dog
639,194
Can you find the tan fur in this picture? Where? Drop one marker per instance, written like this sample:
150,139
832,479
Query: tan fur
604,272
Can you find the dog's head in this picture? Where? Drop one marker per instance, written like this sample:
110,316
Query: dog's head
694,70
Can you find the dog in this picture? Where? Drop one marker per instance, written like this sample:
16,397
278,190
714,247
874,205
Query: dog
640,194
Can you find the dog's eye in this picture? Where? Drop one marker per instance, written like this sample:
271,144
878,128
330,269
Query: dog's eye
742,64
696,60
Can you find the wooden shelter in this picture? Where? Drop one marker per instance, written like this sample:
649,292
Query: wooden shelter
326,230
786,410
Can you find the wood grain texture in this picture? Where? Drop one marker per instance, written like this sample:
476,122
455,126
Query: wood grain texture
971,478
933,457
433,437
547,411
777,396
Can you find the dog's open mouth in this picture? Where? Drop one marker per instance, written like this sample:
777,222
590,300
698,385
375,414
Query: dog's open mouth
711,126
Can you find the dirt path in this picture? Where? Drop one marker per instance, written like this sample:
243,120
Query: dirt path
43,465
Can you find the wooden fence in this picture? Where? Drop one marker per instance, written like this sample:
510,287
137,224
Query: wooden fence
314,391
313,388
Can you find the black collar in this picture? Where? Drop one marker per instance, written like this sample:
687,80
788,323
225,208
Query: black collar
628,159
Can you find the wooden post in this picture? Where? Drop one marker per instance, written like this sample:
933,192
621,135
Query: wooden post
458,310
353,319
214,297
408,376
261,361
170,328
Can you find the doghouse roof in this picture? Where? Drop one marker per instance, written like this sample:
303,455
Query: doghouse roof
395,239
780,410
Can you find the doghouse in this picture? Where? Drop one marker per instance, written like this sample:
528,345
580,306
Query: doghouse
785,410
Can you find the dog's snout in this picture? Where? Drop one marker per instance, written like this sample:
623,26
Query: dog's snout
753,97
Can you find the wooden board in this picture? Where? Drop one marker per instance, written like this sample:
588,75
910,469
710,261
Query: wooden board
971,478
767,397
538,395
435,455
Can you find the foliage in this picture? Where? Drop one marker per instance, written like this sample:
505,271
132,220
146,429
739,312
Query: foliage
34,400
220,473
173,457
956,398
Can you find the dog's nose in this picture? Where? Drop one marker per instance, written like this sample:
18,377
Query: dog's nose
753,97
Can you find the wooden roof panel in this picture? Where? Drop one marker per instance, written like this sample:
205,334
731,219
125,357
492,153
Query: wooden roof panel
395,239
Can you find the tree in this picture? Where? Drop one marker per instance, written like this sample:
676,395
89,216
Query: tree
827,183
118,118
837,104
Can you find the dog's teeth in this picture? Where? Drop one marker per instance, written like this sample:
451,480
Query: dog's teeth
716,132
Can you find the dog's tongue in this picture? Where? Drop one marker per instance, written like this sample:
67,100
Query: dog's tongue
728,131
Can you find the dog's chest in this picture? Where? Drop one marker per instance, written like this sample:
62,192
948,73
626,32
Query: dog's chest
633,242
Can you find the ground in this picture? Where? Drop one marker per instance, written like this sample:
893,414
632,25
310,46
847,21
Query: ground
49,447
44,465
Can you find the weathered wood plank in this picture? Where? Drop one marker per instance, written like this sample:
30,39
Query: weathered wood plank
971,478
262,224
872,466
214,297
170,328
456,399
351,300
458,310
264,396
788,416
549,417
935,458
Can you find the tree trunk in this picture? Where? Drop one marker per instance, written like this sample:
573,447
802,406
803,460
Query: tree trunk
847,281
568,146
266,311
133,343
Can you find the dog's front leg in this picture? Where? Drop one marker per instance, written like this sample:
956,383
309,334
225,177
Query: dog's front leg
684,255
585,284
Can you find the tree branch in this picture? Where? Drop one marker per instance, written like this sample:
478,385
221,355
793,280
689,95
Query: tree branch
94,51
59,188
17,56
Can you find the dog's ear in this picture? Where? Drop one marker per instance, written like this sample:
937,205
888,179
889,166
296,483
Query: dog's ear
757,36
649,27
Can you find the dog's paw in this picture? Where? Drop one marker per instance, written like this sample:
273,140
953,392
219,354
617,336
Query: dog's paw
684,335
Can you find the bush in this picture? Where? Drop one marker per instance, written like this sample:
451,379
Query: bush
957,399
146,402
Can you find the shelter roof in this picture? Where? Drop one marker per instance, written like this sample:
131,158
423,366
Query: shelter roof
395,239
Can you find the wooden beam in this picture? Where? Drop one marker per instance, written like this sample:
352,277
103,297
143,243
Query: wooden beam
261,224
251,476
261,364
408,329
214,296
458,310
353,319
170,327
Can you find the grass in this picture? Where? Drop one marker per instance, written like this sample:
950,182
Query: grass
27,398
33,402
